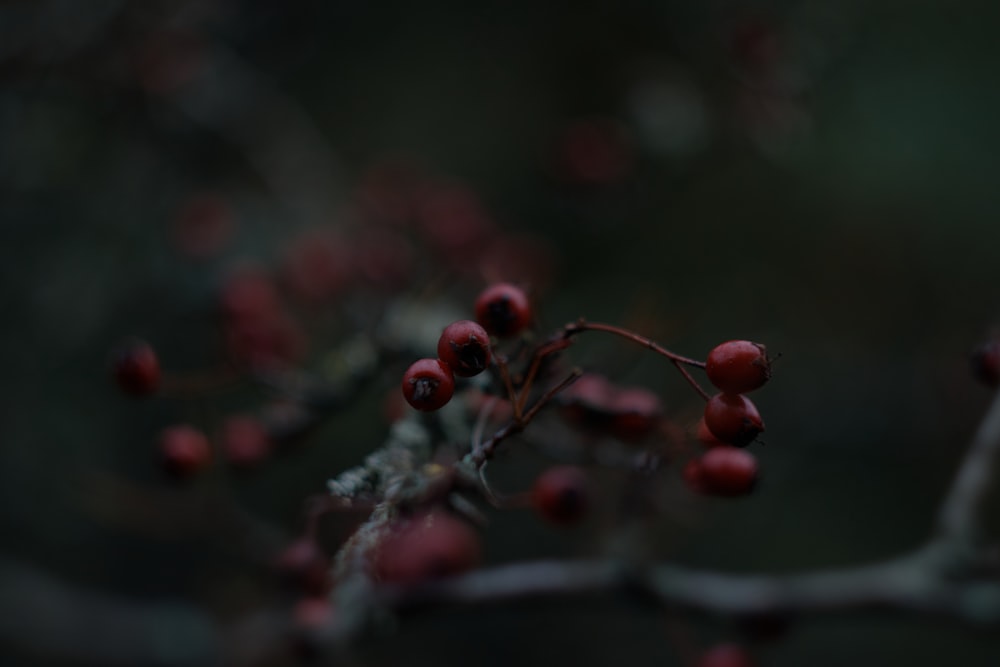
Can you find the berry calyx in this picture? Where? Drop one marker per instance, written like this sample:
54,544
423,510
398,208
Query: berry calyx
431,545
725,655
733,419
727,471
136,368
503,310
465,347
184,450
428,384
561,494
738,366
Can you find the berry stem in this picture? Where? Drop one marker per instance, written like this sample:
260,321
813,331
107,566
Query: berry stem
548,395
484,451
677,360
512,396
691,381
540,354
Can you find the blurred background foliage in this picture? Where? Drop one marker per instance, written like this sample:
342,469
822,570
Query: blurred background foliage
820,176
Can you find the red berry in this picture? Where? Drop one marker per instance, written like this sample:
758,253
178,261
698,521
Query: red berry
986,363
705,437
465,347
592,390
738,366
244,440
304,565
313,612
428,546
317,266
733,419
266,340
184,450
636,413
503,309
428,384
248,292
727,471
725,655
454,222
561,494
692,475
137,369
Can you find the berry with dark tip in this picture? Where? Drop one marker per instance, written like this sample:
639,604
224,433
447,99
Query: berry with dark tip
428,384
503,310
733,419
184,450
465,347
561,494
136,368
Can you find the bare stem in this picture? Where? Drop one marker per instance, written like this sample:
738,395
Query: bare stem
958,518
677,360
902,585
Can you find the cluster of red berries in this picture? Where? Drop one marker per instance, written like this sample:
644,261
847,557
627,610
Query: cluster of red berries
463,349
596,404
735,368
185,450
731,420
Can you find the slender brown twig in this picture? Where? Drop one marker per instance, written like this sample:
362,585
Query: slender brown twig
677,360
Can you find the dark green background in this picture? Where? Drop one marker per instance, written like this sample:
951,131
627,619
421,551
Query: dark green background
863,248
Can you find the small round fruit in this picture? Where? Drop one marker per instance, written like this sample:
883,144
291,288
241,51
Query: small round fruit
465,347
561,494
428,384
636,412
691,473
727,471
303,565
136,368
738,366
244,440
733,419
986,363
725,655
503,309
184,450
431,545
705,437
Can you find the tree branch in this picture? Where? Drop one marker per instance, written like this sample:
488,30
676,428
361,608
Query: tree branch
958,518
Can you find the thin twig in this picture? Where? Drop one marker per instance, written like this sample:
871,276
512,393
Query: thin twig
958,519
677,360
